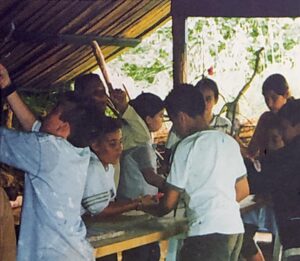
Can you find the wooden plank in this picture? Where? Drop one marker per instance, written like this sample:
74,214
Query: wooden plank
74,39
236,8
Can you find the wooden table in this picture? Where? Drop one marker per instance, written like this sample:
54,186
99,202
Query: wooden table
137,228
128,231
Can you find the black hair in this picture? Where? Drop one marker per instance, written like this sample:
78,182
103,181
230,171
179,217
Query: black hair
147,104
87,82
108,125
206,83
276,83
291,112
185,98
82,118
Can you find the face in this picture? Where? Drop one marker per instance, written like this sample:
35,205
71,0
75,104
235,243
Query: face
179,125
98,96
275,140
52,123
274,101
109,149
209,99
155,123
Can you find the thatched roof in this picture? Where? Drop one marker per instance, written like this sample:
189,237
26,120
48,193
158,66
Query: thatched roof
51,41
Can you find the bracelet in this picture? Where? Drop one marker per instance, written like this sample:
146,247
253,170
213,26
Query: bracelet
8,90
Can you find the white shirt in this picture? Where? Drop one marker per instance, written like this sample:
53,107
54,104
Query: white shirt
217,123
206,165
99,187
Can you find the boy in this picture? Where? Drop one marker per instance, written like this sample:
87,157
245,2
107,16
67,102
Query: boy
209,169
280,176
210,92
55,162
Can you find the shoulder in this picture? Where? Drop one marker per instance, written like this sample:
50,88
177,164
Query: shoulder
222,120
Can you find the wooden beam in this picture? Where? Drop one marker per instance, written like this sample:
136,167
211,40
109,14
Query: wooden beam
236,8
74,39
179,50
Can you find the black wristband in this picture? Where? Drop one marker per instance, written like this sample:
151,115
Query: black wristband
8,90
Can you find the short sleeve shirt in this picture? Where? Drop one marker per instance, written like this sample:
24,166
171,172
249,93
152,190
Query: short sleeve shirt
132,183
207,165
99,188
54,184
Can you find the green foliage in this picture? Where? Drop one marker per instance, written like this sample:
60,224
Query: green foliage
226,44
289,44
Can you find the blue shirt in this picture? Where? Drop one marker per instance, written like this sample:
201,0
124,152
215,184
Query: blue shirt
133,161
51,225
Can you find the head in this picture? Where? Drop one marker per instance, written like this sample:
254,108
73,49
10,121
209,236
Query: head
274,135
150,108
108,145
275,89
185,106
210,92
91,88
72,120
290,120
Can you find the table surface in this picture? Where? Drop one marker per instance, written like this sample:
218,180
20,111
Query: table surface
134,229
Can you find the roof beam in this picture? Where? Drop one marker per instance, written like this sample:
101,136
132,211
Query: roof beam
236,8
73,39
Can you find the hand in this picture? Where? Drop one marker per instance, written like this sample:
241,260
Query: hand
4,77
146,201
119,99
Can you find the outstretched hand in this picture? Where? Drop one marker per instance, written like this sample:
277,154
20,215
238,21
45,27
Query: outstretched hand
4,77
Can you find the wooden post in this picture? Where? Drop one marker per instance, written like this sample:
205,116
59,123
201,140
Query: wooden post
179,49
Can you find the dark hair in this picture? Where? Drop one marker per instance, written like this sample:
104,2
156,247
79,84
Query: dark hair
206,83
108,125
276,83
86,82
291,111
83,119
185,98
147,104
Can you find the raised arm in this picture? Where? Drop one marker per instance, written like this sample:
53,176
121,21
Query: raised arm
119,99
23,113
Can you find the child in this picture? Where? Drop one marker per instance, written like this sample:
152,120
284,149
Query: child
91,89
276,92
210,92
208,167
280,176
138,164
51,207
138,177
262,218
100,192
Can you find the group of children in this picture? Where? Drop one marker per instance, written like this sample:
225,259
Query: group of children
68,163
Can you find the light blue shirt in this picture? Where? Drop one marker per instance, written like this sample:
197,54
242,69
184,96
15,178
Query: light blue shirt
132,183
51,225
